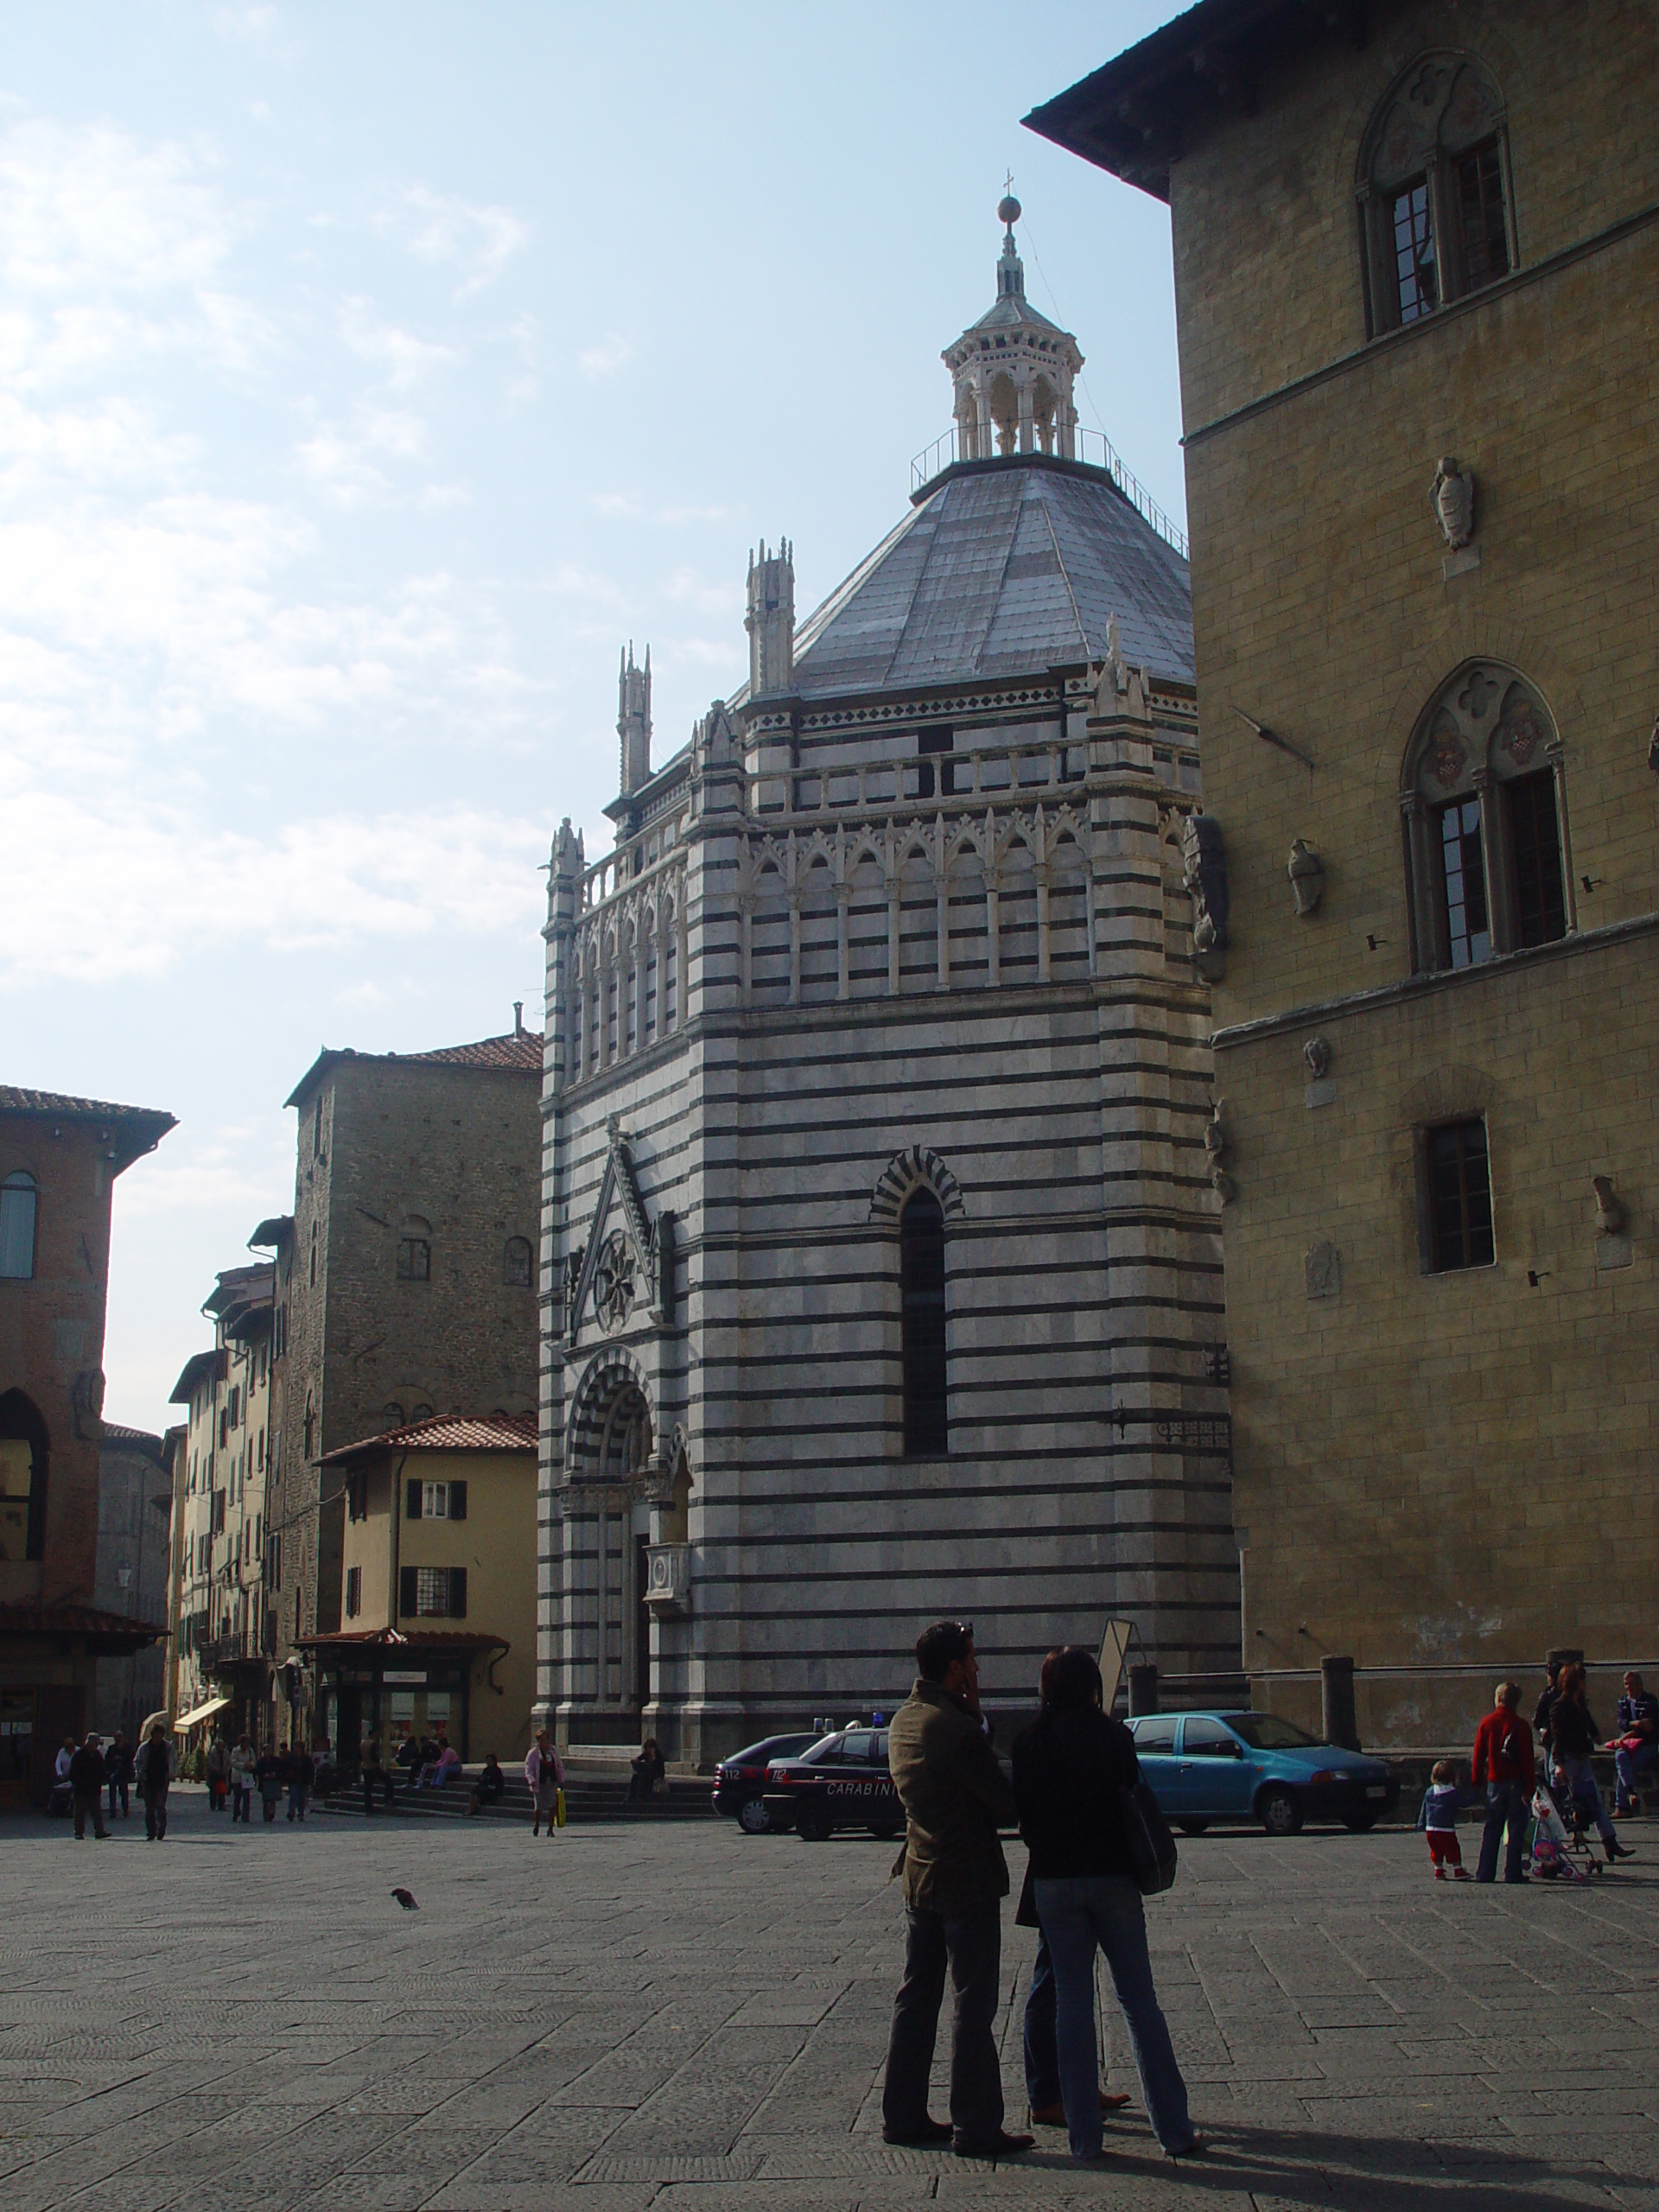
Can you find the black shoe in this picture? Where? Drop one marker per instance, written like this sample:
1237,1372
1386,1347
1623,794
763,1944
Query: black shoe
1615,1849
1000,2146
930,2132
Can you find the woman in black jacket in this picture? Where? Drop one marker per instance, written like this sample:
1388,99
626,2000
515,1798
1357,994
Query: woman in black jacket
1069,1768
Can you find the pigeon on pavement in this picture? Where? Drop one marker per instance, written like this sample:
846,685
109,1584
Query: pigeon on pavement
406,1900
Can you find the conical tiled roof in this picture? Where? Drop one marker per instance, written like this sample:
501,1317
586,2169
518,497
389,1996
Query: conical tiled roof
1009,568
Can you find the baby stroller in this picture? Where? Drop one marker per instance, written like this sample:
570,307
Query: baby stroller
1559,1852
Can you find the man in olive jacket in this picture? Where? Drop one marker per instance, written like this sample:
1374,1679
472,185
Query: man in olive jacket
955,1878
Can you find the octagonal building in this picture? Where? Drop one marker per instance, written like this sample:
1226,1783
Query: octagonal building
881,1264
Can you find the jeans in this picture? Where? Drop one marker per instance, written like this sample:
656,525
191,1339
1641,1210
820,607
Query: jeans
89,1800
156,1812
1042,2045
115,1783
240,1794
971,1943
1509,1804
1582,1784
1627,1765
297,1796
1078,1914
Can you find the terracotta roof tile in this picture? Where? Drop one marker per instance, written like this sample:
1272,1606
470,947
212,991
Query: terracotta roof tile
14,1100
517,1049
448,1432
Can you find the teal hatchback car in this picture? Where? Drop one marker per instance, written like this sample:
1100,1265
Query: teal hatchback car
1252,1766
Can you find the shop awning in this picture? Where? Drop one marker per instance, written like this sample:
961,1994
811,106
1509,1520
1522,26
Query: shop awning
202,1713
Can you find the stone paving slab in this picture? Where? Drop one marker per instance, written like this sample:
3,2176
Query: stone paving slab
679,2019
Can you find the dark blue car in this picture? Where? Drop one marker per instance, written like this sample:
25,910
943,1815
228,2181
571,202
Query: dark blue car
1253,1766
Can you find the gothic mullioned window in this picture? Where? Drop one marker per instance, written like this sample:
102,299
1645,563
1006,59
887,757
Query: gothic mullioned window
1435,202
1484,810
921,1245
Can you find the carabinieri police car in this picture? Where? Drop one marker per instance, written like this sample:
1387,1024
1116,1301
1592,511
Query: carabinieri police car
841,1782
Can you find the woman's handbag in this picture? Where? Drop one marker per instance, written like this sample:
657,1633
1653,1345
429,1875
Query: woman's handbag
558,1808
1152,1847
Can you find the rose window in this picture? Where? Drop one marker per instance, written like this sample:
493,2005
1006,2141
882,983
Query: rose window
615,1288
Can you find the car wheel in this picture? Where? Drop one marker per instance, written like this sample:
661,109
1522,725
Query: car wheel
1192,1827
1279,1811
813,1824
753,1818
1358,1822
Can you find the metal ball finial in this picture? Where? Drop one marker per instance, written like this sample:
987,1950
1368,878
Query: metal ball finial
1007,210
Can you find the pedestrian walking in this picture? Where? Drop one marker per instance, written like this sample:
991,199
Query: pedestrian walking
157,1763
117,1773
1548,1698
1504,1767
545,1772
299,1773
954,1797
217,1766
1573,1736
242,1764
1637,1745
1438,1817
1071,1768
268,1774
86,1788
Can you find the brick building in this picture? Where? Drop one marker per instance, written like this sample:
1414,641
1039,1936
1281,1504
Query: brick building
406,1286
59,1161
1416,254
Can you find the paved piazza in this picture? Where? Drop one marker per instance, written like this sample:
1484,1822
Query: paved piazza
674,2016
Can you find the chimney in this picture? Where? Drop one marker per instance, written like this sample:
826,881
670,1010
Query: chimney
771,620
517,1017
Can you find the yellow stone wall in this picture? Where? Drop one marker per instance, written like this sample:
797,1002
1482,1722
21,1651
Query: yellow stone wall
1456,1469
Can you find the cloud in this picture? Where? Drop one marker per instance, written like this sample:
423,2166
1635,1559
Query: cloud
181,886
402,359
607,358
442,228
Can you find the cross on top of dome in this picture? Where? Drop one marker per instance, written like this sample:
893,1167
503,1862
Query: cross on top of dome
1013,369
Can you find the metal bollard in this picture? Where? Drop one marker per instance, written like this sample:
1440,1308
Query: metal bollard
1143,1689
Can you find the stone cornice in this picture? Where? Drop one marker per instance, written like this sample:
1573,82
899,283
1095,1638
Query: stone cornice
1436,981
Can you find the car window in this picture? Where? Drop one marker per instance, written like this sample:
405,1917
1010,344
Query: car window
857,1747
879,1749
825,1752
1155,1734
1265,1732
1208,1739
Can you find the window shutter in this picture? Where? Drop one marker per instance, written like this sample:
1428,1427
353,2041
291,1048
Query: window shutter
458,1593
457,1501
414,1499
407,1592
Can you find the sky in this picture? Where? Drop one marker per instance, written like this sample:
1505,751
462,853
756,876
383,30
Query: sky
370,375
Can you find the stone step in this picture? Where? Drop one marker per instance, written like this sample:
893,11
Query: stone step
586,1798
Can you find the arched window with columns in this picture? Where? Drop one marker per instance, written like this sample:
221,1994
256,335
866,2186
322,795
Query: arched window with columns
1436,211
1483,799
